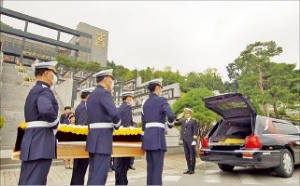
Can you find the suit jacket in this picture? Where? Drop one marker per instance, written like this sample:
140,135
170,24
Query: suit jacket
189,130
64,119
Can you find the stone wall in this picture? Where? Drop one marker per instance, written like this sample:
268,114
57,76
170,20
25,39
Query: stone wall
64,91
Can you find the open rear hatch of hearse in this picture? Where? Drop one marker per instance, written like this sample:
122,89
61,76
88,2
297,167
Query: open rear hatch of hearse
238,121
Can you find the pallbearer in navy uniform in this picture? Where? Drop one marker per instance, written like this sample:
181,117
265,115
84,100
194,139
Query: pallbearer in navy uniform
122,164
81,164
38,146
103,116
154,113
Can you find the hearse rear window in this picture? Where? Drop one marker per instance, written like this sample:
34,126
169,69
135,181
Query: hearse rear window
231,105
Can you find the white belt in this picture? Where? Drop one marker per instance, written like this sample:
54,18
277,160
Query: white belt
155,124
101,125
33,124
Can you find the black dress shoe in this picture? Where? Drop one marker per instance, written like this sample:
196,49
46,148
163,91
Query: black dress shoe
186,172
131,167
191,172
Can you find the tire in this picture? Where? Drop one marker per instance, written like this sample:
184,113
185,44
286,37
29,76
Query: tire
286,164
226,168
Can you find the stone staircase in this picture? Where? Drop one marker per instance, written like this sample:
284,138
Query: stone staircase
12,96
13,93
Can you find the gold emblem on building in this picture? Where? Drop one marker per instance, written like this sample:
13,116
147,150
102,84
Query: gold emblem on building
100,40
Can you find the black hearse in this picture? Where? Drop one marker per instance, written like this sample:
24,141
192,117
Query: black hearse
243,138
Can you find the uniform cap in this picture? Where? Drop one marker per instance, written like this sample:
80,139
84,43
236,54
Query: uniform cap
188,110
156,82
129,93
104,73
45,65
87,91
91,89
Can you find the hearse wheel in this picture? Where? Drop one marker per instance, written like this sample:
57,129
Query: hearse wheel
286,166
226,168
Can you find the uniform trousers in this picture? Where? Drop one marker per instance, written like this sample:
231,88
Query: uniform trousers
155,163
131,161
79,170
99,167
190,155
121,168
34,172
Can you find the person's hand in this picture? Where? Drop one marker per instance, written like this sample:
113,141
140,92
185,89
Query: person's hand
195,137
193,143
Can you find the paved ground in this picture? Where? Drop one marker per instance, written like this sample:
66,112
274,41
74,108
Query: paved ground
206,174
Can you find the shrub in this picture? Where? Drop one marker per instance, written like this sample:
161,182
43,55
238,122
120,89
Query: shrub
2,121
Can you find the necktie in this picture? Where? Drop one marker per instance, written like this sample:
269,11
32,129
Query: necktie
186,122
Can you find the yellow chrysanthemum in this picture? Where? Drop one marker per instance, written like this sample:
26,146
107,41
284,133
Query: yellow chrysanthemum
83,130
128,131
23,125
75,129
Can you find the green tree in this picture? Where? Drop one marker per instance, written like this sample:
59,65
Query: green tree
69,64
192,81
169,77
211,79
147,74
261,80
193,99
2,24
279,79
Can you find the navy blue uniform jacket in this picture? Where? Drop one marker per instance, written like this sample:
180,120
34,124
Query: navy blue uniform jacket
81,114
40,105
155,109
101,109
126,115
189,130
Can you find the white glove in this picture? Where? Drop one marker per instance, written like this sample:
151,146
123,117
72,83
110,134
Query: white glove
194,142
54,131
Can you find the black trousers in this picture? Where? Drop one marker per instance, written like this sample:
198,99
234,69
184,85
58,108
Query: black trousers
155,164
131,161
121,168
34,172
190,155
99,167
79,169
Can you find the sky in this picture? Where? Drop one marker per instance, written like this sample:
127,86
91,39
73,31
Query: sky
189,36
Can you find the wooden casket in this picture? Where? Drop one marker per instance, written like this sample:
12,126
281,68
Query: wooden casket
72,140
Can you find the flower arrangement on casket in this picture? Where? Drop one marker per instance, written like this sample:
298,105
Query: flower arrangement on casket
69,133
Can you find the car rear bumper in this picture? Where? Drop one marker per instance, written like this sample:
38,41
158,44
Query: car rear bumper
256,158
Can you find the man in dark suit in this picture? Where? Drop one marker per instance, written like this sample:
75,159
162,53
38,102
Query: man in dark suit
154,112
103,117
81,164
38,146
189,135
64,117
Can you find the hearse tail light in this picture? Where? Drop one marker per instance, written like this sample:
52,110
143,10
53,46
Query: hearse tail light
204,142
253,142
